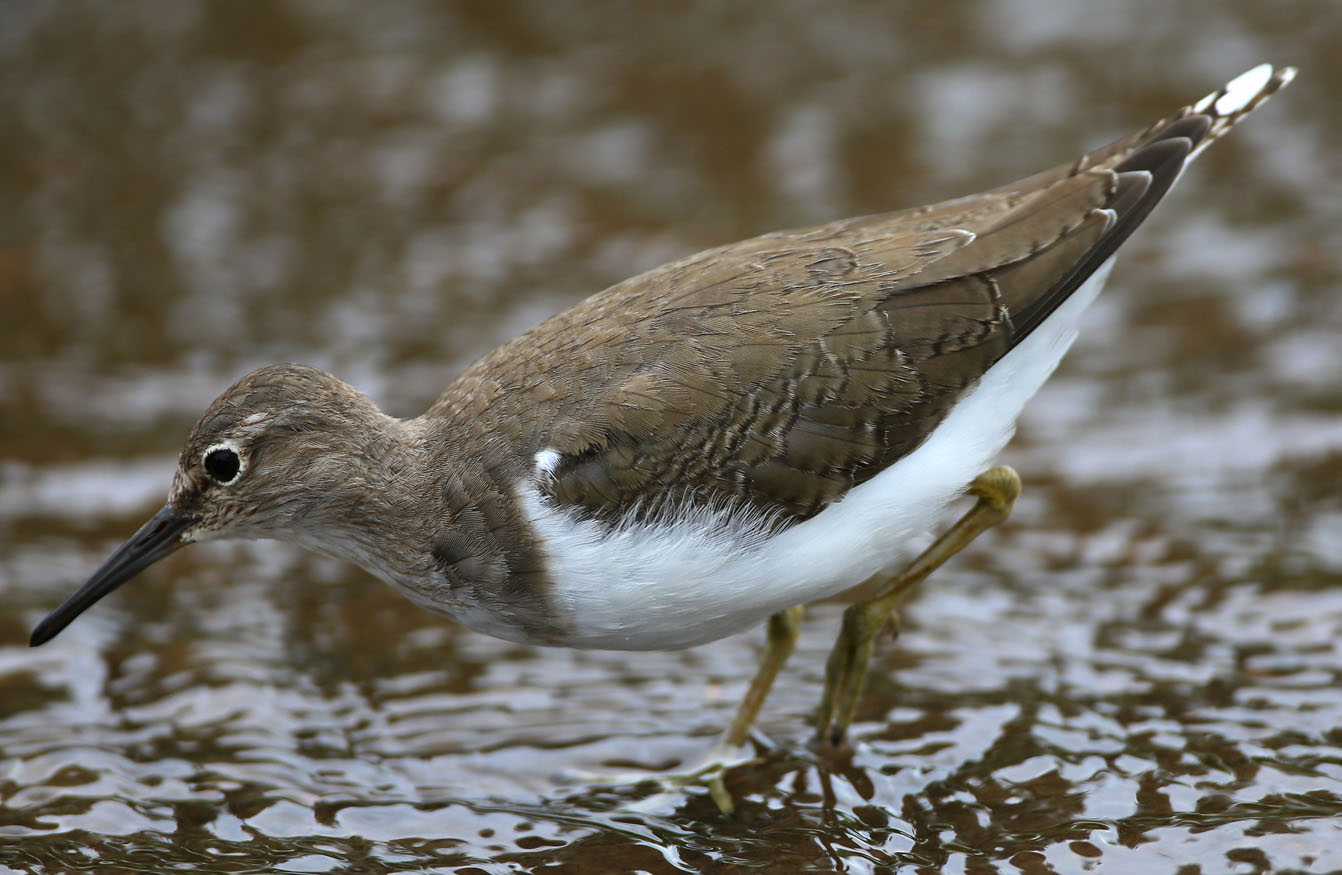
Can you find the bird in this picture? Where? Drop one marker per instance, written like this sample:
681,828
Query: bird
706,446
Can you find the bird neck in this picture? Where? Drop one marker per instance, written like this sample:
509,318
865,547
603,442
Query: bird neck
368,482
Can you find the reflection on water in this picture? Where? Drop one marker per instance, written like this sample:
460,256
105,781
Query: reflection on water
1141,672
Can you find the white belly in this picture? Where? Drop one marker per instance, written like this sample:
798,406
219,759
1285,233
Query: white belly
708,575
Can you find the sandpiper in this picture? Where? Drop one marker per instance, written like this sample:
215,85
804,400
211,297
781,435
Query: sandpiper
706,445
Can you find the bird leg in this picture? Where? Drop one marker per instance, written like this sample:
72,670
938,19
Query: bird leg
781,640
784,627
846,669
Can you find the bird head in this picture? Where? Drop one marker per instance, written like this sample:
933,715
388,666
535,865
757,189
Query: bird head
283,449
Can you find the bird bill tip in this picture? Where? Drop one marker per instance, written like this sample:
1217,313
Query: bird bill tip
157,538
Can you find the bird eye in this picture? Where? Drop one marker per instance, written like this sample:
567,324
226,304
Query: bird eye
223,464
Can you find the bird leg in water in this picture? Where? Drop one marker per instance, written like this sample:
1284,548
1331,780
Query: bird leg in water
846,669
784,627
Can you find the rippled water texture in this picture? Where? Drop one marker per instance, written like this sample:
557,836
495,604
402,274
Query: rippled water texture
1139,673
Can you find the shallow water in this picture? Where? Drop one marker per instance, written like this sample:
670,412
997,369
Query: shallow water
1139,673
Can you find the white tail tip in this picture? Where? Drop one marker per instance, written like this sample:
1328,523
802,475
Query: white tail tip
1245,91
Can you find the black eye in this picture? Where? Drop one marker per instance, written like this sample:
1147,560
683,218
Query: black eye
222,464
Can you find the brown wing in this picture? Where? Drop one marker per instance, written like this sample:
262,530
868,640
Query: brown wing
781,371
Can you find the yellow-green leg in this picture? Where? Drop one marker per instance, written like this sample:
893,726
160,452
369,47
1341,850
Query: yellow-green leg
780,641
996,490
784,627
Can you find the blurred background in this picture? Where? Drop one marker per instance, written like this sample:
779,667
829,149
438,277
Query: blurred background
1139,672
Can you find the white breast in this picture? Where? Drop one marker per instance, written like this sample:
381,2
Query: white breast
707,574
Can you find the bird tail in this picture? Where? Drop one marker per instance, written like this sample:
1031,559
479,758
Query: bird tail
1239,97
1141,167
1203,122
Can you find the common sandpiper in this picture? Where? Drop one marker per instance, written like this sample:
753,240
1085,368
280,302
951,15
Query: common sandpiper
709,444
